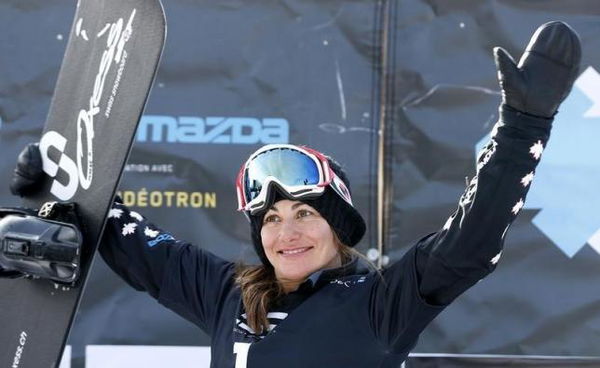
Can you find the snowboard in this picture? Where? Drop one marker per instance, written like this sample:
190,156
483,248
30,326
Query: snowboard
109,65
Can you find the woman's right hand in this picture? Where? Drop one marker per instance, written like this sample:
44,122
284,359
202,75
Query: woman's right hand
28,173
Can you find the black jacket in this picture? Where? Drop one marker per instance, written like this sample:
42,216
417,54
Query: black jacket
340,317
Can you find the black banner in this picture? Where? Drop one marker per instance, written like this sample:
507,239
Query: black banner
338,76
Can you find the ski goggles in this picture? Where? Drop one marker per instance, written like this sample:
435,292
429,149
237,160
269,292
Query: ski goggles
299,171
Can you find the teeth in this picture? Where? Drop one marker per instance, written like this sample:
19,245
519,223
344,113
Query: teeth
294,251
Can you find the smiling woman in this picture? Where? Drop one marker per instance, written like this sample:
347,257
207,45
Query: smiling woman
300,209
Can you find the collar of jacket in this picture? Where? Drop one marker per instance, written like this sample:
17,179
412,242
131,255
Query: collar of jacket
324,276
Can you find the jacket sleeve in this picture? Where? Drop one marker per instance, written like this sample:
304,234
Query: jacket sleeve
398,312
470,243
190,281
442,265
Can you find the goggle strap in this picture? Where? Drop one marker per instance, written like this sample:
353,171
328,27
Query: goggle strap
240,188
342,190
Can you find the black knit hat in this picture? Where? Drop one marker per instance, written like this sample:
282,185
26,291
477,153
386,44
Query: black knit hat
344,219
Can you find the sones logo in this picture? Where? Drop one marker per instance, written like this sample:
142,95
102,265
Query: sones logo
52,140
192,129
80,172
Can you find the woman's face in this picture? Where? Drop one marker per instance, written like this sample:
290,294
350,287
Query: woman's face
297,242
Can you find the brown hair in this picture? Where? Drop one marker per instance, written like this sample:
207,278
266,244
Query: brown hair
260,287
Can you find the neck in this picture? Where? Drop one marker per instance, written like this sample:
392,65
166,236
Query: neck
289,286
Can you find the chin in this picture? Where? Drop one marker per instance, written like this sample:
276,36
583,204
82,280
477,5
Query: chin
299,274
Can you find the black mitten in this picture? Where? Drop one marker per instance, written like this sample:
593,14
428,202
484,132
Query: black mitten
546,72
28,174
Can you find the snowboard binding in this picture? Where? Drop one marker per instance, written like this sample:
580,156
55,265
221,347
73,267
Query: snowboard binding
46,244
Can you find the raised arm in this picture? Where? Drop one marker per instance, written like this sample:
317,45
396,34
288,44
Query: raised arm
444,264
470,243
183,277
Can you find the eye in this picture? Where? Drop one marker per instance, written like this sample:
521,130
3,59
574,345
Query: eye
271,218
303,213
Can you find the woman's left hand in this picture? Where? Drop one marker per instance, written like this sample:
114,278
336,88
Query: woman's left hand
546,72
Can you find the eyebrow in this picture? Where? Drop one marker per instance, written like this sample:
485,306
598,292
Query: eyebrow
294,206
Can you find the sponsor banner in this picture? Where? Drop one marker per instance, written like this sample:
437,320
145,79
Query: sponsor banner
234,78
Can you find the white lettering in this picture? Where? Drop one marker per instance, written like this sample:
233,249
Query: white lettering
51,139
245,130
115,44
66,191
19,352
240,349
87,120
81,173
191,129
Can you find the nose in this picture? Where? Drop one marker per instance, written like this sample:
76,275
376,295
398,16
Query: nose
288,232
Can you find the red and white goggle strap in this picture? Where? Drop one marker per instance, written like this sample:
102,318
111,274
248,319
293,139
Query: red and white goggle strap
342,189
239,186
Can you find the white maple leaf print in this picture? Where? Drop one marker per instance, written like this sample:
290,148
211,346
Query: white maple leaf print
449,222
115,213
496,258
129,228
150,233
486,154
136,215
526,180
537,149
517,207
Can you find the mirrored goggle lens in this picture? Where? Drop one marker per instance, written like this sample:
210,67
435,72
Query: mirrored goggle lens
289,167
